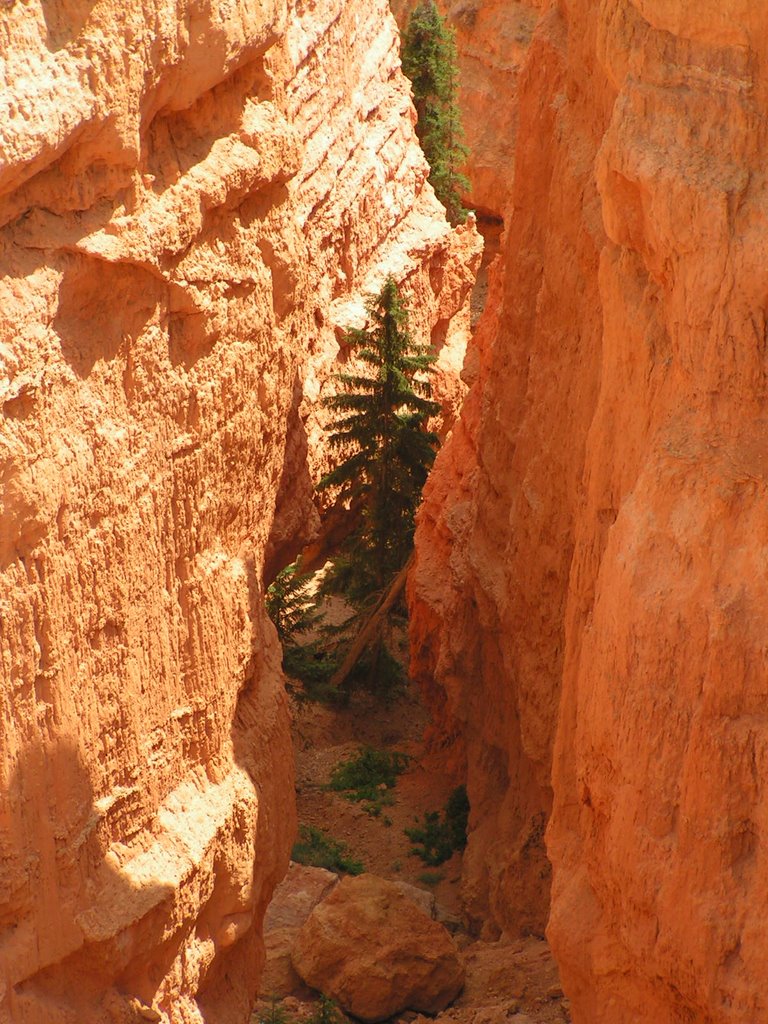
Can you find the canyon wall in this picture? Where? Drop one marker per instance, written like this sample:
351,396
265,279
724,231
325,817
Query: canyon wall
194,199
492,40
589,599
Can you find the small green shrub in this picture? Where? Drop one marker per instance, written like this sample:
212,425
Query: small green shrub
431,877
326,1012
319,850
276,1013
437,835
430,839
368,774
456,816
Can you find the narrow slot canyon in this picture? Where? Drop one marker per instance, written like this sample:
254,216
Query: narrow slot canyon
560,812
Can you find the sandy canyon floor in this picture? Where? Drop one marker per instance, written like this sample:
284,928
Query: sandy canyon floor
511,980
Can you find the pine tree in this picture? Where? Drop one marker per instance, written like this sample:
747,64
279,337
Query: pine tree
381,435
289,605
429,60
308,648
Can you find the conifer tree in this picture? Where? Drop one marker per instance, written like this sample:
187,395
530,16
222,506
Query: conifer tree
429,60
380,433
292,607
289,604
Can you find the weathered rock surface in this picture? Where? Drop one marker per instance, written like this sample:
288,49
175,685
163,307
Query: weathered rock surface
589,594
293,901
481,584
370,947
492,40
297,895
192,198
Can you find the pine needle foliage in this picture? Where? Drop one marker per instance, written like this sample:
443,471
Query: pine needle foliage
429,60
379,672
310,659
384,446
327,1012
289,604
275,1013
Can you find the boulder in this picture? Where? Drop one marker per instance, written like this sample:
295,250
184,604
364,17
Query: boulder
376,952
297,895
293,901
421,897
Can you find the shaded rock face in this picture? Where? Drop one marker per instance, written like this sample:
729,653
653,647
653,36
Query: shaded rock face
485,596
373,949
193,197
589,595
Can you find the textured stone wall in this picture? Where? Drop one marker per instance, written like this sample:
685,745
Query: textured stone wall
589,601
658,832
193,197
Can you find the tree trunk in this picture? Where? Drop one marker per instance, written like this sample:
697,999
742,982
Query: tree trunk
372,625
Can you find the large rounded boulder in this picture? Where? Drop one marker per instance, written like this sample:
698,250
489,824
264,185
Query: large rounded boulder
374,951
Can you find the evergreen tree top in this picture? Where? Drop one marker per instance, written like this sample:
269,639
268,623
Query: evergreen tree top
429,55
429,59
380,431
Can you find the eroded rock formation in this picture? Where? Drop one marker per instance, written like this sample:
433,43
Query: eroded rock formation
590,593
194,197
466,636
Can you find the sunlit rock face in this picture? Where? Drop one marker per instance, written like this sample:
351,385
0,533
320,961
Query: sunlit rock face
492,41
194,199
590,597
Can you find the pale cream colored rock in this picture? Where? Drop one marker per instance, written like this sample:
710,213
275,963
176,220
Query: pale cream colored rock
292,902
374,950
297,896
421,897
279,978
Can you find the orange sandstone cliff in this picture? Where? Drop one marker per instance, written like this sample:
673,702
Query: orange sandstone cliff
589,601
194,199
492,40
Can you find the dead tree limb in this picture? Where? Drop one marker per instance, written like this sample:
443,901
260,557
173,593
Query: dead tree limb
372,625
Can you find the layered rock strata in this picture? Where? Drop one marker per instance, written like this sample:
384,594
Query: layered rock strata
589,593
192,198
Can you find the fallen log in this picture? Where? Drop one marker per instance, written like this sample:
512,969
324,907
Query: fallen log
372,625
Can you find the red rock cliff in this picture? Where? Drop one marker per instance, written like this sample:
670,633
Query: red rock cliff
492,40
192,197
590,599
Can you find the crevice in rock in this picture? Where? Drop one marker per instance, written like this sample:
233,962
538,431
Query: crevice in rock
491,228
